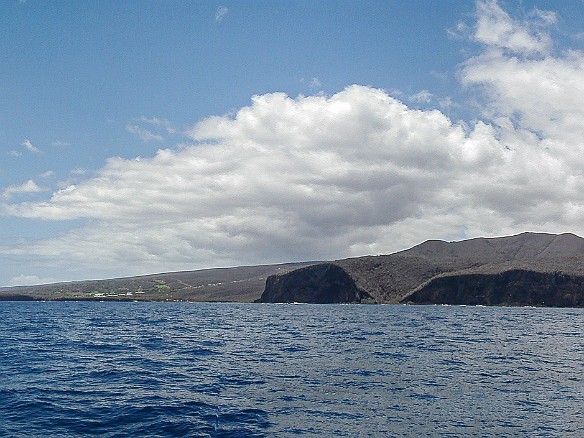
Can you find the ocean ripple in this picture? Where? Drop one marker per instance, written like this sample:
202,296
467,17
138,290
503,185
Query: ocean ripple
226,370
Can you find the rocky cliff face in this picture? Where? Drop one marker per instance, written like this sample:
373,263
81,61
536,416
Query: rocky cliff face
507,288
534,269
320,284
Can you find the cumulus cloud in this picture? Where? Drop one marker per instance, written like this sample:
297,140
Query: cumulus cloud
279,178
357,172
537,104
496,28
28,187
271,183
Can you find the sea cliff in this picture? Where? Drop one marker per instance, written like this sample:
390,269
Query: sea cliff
322,283
529,269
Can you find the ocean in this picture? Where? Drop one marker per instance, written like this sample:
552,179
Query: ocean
73,369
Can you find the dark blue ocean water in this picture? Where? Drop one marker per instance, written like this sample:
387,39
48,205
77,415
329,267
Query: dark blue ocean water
249,370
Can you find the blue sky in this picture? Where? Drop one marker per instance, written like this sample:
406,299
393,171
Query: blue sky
148,136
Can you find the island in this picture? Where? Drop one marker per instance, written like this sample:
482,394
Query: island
527,269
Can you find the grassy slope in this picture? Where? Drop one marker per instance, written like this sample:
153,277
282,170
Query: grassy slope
240,284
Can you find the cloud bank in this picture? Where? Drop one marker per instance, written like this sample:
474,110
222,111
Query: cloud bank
357,172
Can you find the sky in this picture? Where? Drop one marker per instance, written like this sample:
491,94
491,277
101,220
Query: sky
150,136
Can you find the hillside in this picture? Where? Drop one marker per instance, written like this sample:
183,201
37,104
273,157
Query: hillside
530,269
526,269
240,284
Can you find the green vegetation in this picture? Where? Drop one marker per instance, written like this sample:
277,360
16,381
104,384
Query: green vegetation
243,284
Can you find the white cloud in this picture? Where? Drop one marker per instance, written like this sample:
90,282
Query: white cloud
446,103
496,28
60,143
14,153
270,184
314,83
221,13
30,147
459,31
423,96
47,174
357,172
151,128
29,280
282,176
536,103
28,187
143,133
441,75
544,17
159,123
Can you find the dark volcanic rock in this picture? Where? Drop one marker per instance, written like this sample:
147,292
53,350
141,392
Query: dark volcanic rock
507,288
323,283
537,269
15,297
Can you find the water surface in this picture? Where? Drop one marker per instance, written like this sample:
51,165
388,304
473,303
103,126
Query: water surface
250,370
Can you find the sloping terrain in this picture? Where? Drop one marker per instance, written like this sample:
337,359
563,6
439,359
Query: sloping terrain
241,284
526,269
544,265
